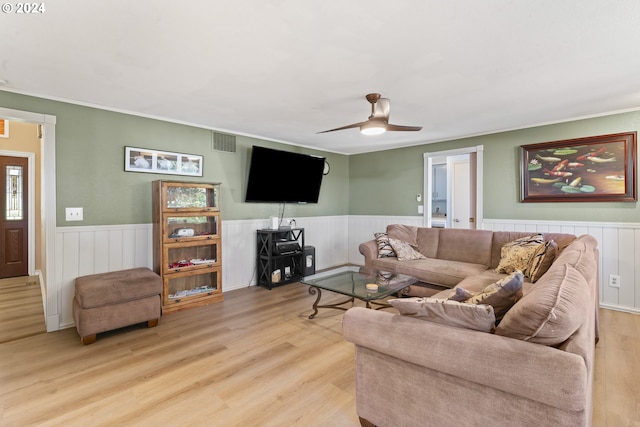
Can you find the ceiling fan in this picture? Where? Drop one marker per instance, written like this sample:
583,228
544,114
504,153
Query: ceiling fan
378,122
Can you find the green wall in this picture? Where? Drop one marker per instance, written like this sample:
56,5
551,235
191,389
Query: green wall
90,169
90,165
386,183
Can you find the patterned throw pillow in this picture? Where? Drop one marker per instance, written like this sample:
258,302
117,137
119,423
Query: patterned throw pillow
384,247
445,312
541,260
404,251
501,295
515,255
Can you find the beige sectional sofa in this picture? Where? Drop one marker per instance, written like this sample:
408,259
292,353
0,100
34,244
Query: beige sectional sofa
534,368
452,255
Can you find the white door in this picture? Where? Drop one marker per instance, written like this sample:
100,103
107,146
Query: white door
470,193
461,195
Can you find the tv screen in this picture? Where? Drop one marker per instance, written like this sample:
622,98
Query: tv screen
277,176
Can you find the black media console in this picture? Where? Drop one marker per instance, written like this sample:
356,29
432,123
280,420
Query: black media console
280,256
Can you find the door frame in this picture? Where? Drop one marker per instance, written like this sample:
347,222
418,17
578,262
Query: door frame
428,179
31,210
48,208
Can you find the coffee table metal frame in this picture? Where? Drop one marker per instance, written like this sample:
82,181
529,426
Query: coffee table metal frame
353,285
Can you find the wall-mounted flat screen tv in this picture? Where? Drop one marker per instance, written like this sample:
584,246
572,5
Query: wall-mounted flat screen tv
277,176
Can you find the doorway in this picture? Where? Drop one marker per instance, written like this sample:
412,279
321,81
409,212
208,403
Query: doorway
42,174
14,221
464,173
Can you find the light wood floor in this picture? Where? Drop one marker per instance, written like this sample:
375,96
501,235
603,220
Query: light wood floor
21,310
253,360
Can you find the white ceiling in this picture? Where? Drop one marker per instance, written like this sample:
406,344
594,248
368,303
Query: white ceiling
284,70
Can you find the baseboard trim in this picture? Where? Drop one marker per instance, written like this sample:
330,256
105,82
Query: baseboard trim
620,308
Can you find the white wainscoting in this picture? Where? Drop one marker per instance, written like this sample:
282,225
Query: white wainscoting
98,249
618,245
92,250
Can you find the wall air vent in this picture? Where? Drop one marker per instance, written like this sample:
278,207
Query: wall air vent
224,142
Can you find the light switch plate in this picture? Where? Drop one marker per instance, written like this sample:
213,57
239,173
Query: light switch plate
73,214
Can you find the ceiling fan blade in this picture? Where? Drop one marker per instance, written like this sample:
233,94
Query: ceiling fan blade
355,125
378,121
391,127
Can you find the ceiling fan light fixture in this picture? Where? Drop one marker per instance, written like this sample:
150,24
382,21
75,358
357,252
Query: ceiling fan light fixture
373,128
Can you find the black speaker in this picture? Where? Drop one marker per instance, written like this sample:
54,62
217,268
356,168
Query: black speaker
309,260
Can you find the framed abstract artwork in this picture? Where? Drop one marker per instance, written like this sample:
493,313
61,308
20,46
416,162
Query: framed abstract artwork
593,169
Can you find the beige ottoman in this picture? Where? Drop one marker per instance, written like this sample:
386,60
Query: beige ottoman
108,301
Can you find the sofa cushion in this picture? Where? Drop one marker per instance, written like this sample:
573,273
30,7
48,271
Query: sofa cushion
446,312
515,255
501,295
430,270
405,233
404,251
428,241
472,246
541,260
552,311
384,247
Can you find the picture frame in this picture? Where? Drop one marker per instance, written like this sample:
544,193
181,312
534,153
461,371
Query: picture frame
592,169
165,162
4,128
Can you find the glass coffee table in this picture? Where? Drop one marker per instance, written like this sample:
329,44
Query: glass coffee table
353,284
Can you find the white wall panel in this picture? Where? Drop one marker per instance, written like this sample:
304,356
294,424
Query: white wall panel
626,267
619,252
239,253
609,247
97,249
636,262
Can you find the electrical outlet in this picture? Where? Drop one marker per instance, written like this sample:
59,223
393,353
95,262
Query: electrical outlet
73,214
614,280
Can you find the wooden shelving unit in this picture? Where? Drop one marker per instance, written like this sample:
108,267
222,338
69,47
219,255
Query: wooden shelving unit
187,244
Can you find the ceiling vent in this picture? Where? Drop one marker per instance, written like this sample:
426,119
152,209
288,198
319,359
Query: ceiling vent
224,142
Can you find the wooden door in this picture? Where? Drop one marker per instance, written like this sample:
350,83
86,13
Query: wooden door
13,217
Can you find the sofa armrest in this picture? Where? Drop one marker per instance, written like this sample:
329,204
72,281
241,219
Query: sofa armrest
544,374
370,251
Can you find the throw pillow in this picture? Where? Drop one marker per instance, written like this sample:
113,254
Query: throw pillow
515,255
541,260
384,247
459,294
445,312
404,251
501,295
552,310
